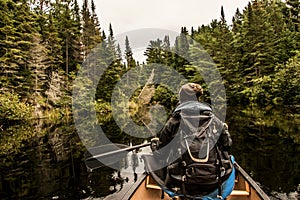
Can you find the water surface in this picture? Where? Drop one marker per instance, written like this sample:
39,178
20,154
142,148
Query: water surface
45,159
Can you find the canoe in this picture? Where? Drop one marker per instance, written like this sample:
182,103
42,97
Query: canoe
146,188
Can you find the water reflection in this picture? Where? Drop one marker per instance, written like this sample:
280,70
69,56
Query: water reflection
45,159
43,164
266,144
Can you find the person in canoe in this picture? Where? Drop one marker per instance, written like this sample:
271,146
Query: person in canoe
194,145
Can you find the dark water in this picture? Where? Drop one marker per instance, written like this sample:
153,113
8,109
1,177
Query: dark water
45,159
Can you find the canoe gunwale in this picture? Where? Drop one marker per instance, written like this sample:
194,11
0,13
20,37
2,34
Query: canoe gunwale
252,183
141,182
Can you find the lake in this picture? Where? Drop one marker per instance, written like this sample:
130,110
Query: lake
45,160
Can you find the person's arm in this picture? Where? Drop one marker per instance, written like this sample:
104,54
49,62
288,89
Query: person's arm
225,138
168,132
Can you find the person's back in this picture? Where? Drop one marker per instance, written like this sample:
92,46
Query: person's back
203,163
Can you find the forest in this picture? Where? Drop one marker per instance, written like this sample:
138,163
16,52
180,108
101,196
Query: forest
44,43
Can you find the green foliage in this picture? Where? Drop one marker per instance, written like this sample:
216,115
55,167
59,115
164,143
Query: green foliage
17,27
280,88
102,107
286,81
154,52
159,52
249,53
91,32
43,44
12,109
110,60
130,62
166,98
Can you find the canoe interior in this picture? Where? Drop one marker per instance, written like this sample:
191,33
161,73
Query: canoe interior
245,189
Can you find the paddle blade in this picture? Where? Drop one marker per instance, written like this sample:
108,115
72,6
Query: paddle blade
106,160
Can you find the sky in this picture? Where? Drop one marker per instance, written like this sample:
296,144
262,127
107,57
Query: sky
127,15
136,18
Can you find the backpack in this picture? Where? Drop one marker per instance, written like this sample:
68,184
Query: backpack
204,165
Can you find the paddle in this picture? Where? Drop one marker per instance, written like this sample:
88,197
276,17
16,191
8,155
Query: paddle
108,155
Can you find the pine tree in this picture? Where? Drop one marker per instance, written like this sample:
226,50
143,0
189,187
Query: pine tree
154,52
294,13
17,29
167,54
91,32
70,35
111,43
50,36
223,20
261,39
38,65
111,59
130,62
119,53
181,51
258,41
286,82
236,21
224,57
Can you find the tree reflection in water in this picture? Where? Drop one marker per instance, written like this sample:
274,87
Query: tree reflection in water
45,159
267,144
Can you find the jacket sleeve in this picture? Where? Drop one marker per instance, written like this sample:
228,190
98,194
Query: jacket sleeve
225,138
169,131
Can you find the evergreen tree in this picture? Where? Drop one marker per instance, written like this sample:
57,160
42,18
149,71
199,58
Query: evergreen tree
154,52
286,82
50,36
258,41
294,13
221,56
223,20
91,32
112,45
181,51
38,65
130,62
119,53
261,39
111,59
44,42
236,21
16,32
167,54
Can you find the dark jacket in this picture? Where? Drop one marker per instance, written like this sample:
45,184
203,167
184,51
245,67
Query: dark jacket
171,127
200,163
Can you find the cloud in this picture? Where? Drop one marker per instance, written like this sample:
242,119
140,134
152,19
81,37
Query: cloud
126,15
130,15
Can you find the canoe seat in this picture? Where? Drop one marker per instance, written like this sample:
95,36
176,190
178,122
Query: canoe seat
241,188
239,193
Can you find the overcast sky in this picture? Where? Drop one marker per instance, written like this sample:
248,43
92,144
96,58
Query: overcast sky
126,16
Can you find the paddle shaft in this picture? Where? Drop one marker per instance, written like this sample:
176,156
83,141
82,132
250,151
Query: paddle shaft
119,151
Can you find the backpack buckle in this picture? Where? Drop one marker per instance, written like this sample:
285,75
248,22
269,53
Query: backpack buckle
222,171
190,171
183,178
